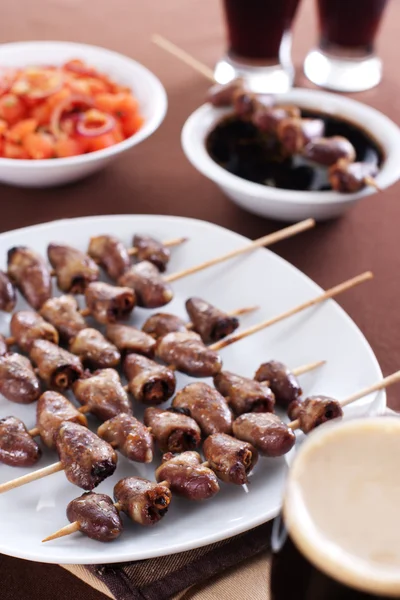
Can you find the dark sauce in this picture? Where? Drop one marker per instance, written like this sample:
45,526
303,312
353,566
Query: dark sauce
240,148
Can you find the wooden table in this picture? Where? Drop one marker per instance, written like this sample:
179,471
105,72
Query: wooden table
156,178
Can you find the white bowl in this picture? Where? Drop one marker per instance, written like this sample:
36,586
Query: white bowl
125,71
291,205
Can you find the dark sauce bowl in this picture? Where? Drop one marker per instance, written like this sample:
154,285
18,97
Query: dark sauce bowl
229,153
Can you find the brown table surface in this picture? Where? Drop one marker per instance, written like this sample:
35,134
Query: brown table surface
156,178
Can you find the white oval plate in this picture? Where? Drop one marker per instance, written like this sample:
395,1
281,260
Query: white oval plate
30,513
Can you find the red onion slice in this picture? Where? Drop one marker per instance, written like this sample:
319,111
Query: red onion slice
67,104
85,125
38,84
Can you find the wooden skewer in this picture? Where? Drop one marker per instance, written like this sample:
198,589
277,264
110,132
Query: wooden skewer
39,474
334,291
380,385
163,43
34,432
266,240
67,530
310,367
371,181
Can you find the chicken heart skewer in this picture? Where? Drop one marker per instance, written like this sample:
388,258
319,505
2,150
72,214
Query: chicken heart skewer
152,290
107,304
196,359
85,457
63,258
245,395
267,434
120,428
29,272
128,338
111,254
159,324
245,459
272,437
103,395
145,502
186,352
185,476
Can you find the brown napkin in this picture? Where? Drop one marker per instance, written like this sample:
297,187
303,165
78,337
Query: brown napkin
181,576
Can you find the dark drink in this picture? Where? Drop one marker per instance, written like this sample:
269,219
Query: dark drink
258,44
256,27
306,582
350,23
342,536
345,60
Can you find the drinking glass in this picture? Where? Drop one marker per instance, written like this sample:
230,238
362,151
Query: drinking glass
338,535
345,59
259,44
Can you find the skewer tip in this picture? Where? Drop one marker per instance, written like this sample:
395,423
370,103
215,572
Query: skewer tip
247,309
372,183
67,530
309,367
156,38
246,489
319,363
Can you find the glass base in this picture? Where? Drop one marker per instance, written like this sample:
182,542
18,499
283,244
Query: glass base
343,74
265,79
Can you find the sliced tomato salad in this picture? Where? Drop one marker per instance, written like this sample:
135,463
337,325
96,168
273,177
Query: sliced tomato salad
56,112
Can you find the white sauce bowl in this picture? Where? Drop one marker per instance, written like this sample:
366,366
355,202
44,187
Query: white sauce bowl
293,205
